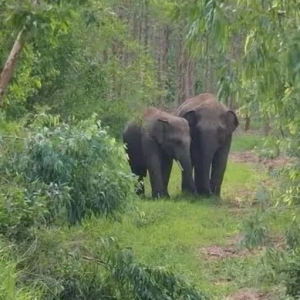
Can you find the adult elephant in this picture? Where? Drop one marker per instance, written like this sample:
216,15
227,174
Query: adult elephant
211,127
153,144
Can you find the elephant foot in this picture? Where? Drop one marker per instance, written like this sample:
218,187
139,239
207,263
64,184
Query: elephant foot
192,192
204,192
159,195
216,191
188,189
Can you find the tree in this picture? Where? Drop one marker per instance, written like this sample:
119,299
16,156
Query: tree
37,24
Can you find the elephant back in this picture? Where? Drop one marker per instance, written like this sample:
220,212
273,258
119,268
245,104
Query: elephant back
207,100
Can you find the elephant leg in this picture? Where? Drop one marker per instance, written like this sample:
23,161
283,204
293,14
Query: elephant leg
196,170
202,173
219,164
166,168
156,180
202,187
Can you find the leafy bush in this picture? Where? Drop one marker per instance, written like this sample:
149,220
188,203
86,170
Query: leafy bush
103,271
20,210
86,160
56,169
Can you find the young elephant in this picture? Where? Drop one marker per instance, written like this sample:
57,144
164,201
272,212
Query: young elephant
211,127
153,144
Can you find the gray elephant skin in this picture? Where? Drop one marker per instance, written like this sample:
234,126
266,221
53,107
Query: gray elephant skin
153,144
211,127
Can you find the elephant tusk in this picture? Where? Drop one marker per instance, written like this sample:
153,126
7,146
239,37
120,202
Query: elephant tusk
179,165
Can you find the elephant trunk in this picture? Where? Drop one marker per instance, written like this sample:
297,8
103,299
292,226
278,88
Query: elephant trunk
187,183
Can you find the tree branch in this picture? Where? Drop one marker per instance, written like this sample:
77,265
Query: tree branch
10,64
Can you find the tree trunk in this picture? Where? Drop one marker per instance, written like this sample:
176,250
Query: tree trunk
247,123
146,23
207,66
10,64
163,45
187,68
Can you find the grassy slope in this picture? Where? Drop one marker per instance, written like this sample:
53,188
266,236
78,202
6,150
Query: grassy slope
172,233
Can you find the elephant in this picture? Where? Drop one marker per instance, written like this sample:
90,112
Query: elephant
152,144
211,127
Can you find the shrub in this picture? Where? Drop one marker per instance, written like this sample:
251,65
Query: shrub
58,168
104,271
19,211
85,159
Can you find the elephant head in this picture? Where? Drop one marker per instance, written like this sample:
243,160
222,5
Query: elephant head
211,127
171,136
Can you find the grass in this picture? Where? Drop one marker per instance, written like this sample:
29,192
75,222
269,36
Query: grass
244,142
172,233
9,288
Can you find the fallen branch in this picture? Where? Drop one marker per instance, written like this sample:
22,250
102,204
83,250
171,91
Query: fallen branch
96,260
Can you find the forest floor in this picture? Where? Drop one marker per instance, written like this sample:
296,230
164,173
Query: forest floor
200,239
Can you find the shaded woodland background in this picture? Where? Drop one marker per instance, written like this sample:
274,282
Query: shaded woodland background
114,56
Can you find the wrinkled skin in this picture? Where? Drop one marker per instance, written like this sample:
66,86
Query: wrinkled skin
153,144
211,127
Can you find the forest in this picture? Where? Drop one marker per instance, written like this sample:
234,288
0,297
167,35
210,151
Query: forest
73,73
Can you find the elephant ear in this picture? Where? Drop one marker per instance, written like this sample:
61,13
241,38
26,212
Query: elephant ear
232,120
191,117
159,130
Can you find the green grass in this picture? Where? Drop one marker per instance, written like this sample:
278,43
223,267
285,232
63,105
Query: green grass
172,232
244,142
9,285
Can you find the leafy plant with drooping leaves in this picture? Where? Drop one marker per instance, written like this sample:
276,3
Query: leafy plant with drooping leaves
103,270
56,170
83,158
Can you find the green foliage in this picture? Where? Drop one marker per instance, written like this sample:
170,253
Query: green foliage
79,59
86,160
106,271
9,284
43,25
59,168
255,231
292,272
20,209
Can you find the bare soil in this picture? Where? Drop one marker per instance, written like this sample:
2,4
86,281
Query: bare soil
268,163
250,294
217,252
231,250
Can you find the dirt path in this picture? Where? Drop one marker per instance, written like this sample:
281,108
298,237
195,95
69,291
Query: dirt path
232,250
250,157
